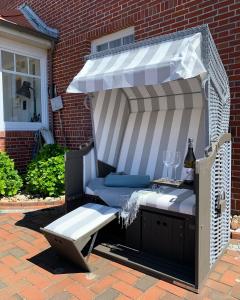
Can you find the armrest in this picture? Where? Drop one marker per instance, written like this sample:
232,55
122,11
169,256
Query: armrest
211,154
203,173
77,172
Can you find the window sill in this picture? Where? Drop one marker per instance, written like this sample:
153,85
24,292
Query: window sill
22,126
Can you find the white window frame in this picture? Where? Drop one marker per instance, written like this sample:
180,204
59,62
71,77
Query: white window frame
34,52
111,37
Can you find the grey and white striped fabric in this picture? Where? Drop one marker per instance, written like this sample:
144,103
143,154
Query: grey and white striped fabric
114,110
110,112
178,200
89,168
82,221
149,133
153,98
147,65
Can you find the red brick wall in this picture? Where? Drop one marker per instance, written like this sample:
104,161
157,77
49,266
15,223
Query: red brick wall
80,22
18,145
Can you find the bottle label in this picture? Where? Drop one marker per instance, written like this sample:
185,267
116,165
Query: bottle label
188,174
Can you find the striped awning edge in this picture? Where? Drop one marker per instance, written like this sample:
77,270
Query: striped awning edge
147,65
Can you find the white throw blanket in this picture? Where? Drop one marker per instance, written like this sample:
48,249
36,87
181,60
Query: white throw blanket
130,206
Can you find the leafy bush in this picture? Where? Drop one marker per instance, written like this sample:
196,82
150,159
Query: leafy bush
10,180
45,174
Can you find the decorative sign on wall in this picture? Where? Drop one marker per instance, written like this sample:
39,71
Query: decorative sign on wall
56,103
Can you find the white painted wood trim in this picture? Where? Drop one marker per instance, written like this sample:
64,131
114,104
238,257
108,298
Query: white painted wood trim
25,38
38,53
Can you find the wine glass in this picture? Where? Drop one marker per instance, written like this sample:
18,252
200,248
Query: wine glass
176,160
167,160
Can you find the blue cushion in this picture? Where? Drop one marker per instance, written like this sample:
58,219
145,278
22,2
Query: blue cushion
132,181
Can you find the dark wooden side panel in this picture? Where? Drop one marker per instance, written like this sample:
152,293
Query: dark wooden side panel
73,174
202,255
74,171
203,205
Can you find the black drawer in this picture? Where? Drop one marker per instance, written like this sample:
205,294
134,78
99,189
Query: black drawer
165,236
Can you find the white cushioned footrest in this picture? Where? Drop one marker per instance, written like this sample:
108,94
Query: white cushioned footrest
85,220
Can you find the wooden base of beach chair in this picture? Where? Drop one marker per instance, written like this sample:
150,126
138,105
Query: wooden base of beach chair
71,233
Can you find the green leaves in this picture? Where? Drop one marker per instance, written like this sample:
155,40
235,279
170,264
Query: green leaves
45,174
10,181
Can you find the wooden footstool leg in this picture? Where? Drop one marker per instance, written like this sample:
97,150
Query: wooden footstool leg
91,245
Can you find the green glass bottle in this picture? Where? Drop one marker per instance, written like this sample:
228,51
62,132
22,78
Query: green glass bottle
189,164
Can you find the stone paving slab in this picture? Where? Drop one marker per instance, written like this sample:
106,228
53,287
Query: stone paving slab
31,270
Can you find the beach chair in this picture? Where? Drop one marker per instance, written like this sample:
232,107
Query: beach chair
148,97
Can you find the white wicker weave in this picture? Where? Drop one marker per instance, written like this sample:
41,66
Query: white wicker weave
220,180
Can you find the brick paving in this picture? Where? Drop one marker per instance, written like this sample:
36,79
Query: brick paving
29,269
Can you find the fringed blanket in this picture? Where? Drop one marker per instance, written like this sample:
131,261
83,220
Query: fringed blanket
129,203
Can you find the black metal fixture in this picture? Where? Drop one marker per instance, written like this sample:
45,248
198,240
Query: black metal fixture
24,90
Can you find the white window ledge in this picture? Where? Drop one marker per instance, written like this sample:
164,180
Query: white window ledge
22,126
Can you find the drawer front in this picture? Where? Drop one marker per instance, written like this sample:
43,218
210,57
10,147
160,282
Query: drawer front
163,235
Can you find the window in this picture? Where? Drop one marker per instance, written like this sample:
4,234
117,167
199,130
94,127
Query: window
23,90
114,40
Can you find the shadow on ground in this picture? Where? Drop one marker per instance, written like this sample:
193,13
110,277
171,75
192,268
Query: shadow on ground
40,218
50,261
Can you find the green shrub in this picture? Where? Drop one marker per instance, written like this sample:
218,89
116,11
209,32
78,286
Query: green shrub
10,180
45,174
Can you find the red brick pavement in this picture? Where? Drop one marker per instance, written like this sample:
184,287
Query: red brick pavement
28,271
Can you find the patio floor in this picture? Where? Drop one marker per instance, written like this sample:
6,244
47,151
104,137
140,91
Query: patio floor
29,269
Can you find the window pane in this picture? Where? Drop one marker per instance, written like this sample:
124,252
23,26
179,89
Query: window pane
21,64
34,66
7,60
102,47
21,98
115,43
128,39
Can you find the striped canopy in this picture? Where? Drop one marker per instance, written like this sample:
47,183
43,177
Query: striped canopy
142,66
133,126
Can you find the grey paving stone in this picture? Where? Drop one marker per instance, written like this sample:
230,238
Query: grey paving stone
170,297
104,271
27,238
17,252
22,266
2,285
145,283
2,254
109,294
61,296
17,297
100,263
3,222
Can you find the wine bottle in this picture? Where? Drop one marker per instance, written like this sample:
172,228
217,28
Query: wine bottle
189,164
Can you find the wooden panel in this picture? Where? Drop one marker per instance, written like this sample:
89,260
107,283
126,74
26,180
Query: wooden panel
133,233
203,218
163,235
189,242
